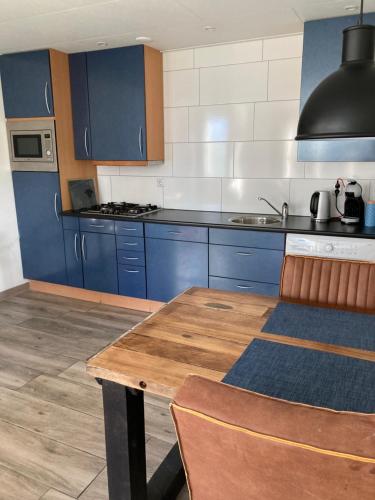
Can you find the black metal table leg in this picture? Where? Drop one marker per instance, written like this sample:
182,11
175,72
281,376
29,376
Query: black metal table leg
168,479
125,442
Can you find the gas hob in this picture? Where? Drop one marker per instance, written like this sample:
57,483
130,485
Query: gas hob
122,209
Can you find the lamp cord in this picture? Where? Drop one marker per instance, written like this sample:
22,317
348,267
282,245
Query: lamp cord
360,18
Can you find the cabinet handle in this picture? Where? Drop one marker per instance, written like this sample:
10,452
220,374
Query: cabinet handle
174,232
245,287
46,98
131,258
96,225
140,141
55,207
245,253
86,148
130,244
75,246
83,248
128,229
128,271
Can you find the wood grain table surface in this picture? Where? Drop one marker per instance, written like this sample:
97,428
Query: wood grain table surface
202,331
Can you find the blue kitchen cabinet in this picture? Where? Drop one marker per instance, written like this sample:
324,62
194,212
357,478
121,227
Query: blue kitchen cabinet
99,261
116,89
173,266
26,82
322,49
73,257
80,105
234,285
38,206
132,281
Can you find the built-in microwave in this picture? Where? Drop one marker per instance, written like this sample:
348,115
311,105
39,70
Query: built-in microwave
32,145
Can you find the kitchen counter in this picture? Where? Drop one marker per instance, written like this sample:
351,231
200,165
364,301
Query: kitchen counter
294,224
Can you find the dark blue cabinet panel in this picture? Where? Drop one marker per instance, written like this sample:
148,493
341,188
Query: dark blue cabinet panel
233,285
80,105
174,266
132,281
70,222
129,228
99,262
322,48
117,103
40,226
73,258
239,237
175,232
26,82
130,243
97,225
244,263
131,258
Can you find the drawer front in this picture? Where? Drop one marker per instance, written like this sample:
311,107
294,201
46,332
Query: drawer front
130,243
70,222
174,232
243,286
245,263
97,225
129,228
247,238
132,281
130,258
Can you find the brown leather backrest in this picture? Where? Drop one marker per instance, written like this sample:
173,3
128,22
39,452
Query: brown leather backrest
337,283
239,445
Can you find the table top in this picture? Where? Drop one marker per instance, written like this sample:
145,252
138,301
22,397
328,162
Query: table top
203,332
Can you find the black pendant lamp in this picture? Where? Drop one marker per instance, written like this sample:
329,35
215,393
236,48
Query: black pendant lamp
343,104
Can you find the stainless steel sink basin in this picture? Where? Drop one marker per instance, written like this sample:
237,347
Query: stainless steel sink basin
251,220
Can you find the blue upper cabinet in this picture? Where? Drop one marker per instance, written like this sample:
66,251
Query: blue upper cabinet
26,82
40,226
117,103
322,47
80,105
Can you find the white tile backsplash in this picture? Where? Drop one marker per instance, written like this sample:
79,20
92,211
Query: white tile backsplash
276,121
240,195
229,122
283,47
192,193
181,88
267,159
176,124
231,113
205,159
234,83
178,59
231,53
284,80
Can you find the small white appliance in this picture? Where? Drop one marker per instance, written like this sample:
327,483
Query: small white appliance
320,206
335,247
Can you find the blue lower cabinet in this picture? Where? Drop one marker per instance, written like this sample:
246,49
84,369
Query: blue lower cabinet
130,258
132,281
99,262
130,243
73,257
243,286
173,266
38,206
254,264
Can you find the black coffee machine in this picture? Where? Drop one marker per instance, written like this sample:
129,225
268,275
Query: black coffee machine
354,207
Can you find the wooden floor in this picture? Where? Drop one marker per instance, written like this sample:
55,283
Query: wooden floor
51,420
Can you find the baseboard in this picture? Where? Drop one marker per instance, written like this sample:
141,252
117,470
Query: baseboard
98,297
13,291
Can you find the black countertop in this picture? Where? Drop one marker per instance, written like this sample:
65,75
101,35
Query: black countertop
294,224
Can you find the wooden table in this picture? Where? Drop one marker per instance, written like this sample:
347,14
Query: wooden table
202,332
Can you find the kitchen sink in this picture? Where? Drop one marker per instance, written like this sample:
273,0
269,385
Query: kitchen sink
251,220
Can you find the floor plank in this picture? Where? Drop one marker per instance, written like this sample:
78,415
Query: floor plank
55,495
77,373
66,393
15,486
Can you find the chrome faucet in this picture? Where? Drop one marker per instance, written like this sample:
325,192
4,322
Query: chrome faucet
284,209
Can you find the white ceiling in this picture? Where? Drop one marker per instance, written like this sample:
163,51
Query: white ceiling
75,25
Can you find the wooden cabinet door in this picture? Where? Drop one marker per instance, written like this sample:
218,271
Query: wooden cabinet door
38,205
26,82
80,105
117,103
